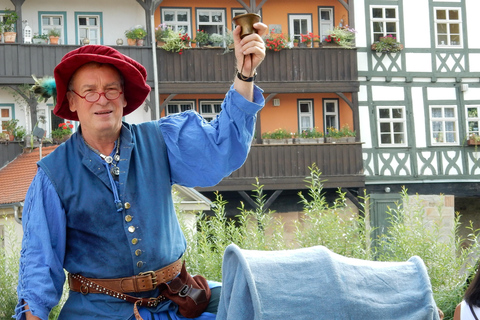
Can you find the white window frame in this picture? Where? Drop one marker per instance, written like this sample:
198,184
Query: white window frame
335,113
447,42
472,114
216,107
180,107
46,28
2,119
325,25
305,115
439,136
384,21
176,25
292,18
237,12
391,121
89,29
219,26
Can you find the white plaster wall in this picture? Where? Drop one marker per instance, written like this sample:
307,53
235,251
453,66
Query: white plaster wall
418,62
419,116
473,8
441,93
360,23
474,59
417,17
365,126
388,93
471,93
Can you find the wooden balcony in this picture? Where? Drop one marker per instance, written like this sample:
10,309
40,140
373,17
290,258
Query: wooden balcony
286,167
203,70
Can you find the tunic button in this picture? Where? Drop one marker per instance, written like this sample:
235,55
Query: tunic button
131,229
140,264
138,252
128,218
127,205
134,241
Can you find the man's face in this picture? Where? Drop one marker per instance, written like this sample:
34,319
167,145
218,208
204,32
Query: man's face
104,116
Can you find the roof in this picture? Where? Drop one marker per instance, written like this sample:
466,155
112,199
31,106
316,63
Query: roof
16,176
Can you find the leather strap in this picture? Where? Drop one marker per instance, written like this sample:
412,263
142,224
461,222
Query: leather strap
145,281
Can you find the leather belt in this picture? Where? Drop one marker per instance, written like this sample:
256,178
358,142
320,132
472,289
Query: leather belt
145,281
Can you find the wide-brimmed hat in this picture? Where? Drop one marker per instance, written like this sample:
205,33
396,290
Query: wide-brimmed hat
135,90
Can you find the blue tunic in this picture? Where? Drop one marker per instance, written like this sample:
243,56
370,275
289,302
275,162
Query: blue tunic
71,221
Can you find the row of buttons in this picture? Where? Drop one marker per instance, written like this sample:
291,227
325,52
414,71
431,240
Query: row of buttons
131,229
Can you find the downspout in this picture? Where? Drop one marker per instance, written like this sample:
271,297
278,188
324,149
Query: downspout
155,66
15,212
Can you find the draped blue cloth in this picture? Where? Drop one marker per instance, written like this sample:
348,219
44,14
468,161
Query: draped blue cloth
315,283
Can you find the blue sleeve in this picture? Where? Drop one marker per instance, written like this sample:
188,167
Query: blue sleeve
202,153
41,276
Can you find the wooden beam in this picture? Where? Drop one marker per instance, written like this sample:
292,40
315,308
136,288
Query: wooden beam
164,104
267,204
244,5
257,8
344,98
270,97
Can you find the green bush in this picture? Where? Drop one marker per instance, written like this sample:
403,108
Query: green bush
9,257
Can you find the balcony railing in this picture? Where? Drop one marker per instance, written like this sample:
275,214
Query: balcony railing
287,166
202,70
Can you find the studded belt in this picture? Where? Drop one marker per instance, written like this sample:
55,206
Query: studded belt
145,281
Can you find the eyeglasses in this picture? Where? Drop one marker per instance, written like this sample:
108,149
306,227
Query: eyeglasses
95,96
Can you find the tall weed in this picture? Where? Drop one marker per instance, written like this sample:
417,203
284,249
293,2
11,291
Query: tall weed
9,258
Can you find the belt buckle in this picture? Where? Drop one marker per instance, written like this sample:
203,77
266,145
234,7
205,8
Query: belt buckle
152,274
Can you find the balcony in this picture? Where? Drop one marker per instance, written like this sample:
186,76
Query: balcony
203,70
286,167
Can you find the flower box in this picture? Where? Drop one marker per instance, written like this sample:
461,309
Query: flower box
309,140
277,141
340,140
473,142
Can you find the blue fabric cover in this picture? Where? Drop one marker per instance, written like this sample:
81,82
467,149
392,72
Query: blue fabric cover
315,283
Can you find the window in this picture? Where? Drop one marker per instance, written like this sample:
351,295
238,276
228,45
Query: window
210,109
177,19
299,24
51,21
330,114
89,27
211,21
305,115
473,120
384,21
443,125
237,12
5,115
54,120
179,106
448,27
326,22
391,126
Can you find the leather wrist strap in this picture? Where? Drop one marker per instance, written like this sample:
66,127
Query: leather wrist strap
244,78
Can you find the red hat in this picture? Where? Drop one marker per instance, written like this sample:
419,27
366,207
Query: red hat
135,90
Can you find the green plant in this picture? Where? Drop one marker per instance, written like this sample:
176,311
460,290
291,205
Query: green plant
139,33
216,39
162,32
54,33
40,36
344,36
64,129
20,133
11,126
10,17
387,44
277,134
343,132
174,43
276,41
296,40
129,34
202,37
310,133
346,132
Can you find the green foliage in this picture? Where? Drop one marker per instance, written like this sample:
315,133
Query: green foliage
175,42
10,17
137,33
387,44
277,134
310,133
162,32
54,33
9,257
343,132
202,37
42,36
344,36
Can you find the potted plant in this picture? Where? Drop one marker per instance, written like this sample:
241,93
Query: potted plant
10,17
306,40
202,38
140,33
10,127
130,35
216,39
278,136
54,36
343,36
276,41
473,140
161,33
185,38
296,42
309,136
40,38
344,135
387,44
62,133
174,43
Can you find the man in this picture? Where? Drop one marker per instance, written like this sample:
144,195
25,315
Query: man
100,206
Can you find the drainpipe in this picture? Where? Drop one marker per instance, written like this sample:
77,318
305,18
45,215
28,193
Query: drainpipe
16,210
155,67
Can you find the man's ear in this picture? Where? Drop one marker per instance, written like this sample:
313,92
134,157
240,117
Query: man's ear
71,101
